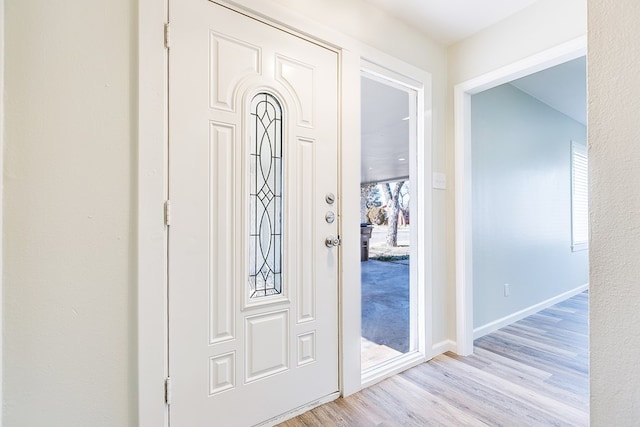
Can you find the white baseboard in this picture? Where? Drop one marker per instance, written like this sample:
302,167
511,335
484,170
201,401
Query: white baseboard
443,347
507,320
385,370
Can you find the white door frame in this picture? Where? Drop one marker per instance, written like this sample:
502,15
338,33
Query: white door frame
2,130
463,207
421,215
152,193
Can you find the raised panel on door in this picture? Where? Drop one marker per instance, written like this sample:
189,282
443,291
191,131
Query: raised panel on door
253,289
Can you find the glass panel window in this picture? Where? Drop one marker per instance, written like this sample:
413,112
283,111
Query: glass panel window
265,219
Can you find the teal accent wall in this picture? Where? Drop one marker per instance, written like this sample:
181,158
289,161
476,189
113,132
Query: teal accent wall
521,176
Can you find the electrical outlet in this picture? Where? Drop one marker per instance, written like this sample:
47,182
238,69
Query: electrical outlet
507,289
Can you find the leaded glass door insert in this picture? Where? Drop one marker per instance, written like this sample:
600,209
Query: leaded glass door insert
265,220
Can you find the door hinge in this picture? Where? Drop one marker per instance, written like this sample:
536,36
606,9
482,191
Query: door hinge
167,390
167,212
167,34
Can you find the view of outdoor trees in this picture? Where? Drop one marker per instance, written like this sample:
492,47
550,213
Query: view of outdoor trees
385,204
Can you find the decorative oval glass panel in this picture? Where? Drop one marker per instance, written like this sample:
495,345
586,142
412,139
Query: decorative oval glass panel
265,218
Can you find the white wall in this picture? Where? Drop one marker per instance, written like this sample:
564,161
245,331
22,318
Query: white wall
614,167
521,178
542,26
375,27
2,132
69,223
70,164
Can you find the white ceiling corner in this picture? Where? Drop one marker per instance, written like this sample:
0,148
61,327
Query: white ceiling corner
449,21
563,87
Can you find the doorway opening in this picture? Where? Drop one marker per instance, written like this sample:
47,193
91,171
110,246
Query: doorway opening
390,294
469,261
529,195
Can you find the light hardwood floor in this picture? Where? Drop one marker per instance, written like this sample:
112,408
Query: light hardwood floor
532,373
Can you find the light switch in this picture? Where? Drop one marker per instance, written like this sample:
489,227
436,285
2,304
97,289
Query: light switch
439,181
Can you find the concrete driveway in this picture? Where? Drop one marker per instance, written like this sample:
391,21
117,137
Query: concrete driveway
385,303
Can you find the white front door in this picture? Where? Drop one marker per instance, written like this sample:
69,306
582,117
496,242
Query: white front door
253,287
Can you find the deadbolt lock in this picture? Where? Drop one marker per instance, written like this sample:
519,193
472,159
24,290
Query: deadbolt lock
332,241
330,216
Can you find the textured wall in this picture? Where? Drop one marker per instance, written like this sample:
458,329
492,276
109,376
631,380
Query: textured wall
614,168
69,266
521,178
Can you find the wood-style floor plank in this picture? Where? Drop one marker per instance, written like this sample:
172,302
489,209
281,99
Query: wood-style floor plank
531,373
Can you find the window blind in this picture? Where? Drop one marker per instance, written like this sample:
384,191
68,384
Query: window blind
579,197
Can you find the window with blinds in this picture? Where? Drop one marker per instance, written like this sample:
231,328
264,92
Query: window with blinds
579,197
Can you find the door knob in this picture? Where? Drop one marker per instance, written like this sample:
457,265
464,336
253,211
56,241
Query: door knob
332,241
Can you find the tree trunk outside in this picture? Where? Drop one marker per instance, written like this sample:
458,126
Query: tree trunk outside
365,194
393,208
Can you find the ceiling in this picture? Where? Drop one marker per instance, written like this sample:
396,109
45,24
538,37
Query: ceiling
563,87
384,132
448,21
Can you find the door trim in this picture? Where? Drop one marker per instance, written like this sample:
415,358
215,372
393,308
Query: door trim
151,233
420,149
462,147
2,131
299,411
